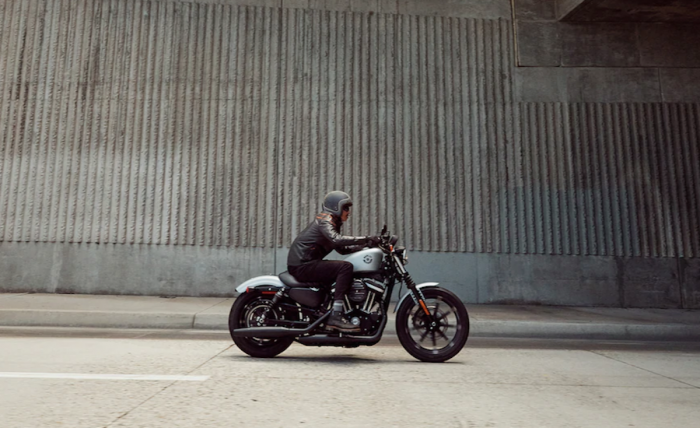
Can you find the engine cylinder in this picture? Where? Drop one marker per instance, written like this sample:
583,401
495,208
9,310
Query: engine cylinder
358,292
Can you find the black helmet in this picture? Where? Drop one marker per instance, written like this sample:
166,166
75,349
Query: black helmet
335,201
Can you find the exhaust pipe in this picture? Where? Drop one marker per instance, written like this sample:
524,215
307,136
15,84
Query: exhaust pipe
326,340
275,332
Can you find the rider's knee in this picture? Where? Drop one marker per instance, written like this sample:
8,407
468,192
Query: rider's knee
346,267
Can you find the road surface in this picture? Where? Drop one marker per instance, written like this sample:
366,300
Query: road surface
112,378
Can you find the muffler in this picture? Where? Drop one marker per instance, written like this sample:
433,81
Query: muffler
273,332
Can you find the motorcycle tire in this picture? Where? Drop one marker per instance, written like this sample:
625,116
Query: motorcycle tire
453,326
243,310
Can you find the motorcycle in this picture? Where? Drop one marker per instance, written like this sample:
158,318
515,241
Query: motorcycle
271,312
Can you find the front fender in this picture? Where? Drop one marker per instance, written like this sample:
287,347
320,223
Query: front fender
268,280
419,286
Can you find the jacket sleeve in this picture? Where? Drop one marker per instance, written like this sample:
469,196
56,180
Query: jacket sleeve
335,238
349,249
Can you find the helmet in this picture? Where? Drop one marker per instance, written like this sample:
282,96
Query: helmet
335,201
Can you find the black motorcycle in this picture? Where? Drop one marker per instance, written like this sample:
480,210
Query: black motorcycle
273,311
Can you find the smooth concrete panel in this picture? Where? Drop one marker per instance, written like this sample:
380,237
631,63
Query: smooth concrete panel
553,280
594,85
536,10
540,84
475,278
680,85
690,271
651,283
542,42
614,85
455,271
29,267
130,269
281,260
630,10
538,44
669,45
554,44
342,5
598,45
492,9
586,84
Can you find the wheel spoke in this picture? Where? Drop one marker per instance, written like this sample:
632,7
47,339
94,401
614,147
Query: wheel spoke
443,335
422,338
434,341
442,315
435,311
446,325
444,322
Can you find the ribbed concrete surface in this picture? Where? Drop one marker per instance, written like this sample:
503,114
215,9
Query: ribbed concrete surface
215,124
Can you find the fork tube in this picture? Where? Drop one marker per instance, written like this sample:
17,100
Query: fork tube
417,295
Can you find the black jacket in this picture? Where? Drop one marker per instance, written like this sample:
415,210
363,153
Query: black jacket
321,237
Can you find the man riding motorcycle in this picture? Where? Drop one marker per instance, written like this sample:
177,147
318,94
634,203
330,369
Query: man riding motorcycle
305,261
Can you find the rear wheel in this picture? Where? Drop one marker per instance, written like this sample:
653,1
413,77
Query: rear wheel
253,309
433,343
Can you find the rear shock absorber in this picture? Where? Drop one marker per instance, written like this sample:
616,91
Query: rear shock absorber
277,298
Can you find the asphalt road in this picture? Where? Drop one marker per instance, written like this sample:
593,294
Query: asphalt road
113,378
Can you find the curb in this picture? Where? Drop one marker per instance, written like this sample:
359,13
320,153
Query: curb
593,331
89,319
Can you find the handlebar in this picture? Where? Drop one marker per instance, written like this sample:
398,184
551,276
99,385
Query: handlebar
386,238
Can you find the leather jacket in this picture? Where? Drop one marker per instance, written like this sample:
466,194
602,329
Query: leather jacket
321,237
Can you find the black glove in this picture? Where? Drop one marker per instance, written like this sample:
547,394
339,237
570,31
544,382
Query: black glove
374,241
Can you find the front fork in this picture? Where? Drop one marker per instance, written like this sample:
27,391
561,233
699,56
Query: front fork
418,297
416,293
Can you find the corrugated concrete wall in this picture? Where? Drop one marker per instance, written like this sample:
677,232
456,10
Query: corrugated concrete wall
152,123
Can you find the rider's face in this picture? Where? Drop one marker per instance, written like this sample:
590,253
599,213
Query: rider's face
346,213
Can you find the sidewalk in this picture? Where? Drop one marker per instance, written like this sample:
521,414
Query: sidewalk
210,313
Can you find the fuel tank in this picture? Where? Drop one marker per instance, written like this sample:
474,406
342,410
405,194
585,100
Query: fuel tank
369,260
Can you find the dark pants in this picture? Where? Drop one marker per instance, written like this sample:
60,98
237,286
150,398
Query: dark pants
325,271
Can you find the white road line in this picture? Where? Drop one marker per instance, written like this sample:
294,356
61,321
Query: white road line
97,376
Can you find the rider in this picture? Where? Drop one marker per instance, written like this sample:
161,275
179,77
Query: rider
305,261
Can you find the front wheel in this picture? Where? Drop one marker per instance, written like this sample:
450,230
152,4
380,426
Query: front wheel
255,310
441,341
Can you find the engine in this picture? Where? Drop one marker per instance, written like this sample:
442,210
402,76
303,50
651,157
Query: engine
358,291
364,303
362,287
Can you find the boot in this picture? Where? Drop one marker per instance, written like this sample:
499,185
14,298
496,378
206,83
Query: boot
338,322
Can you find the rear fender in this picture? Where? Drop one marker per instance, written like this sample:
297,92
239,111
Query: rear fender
261,283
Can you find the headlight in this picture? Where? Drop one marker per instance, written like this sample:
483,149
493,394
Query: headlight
402,253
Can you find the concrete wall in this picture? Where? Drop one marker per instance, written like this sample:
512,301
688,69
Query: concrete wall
629,10
476,278
198,137
129,269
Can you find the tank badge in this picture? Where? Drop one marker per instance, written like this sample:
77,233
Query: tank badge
368,259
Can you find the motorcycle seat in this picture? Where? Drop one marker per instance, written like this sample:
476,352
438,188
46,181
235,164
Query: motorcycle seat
288,280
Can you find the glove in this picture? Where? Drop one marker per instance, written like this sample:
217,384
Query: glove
374,241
